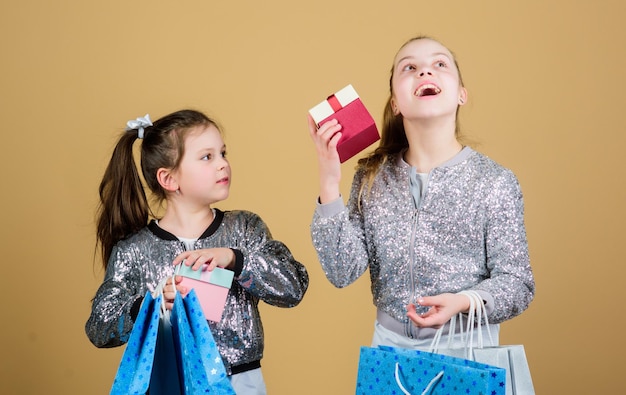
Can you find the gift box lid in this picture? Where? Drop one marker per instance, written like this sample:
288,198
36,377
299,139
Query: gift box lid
217,276
333,103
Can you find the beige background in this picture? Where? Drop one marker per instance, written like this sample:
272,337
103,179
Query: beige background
546,83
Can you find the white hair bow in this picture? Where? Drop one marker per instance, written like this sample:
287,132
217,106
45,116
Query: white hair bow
139,124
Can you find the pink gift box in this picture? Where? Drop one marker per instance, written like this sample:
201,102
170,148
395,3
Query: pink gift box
211,288
358,128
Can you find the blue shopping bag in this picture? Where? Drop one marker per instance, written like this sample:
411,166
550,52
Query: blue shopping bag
389,370
200,364
512,358
165,378
494,376
135,368
171,353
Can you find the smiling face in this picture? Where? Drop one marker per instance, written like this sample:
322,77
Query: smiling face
203,175
426,81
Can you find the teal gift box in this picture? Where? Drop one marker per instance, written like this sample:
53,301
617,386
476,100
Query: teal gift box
211,288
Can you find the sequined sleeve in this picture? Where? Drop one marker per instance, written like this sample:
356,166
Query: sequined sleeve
511,282
339,239
136,265
270,272
110,322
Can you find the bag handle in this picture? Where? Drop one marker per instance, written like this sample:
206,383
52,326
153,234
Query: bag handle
476,315
158,291
428,388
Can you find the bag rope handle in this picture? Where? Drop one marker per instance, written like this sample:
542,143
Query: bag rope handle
428,388
158,291
476,315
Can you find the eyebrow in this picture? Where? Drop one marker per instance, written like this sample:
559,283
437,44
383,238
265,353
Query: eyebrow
434,55
202,150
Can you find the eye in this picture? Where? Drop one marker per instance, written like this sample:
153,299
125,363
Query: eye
408,67
441,63
224,154
207,157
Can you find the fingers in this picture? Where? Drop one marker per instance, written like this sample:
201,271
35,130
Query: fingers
207,259
429,301
169,293
437,315
171,289
312,125
416,317
412,312
326,137
179,288
195,258
419,313
181,257
427,320
319,131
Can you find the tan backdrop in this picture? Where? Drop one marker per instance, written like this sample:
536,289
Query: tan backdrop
546,83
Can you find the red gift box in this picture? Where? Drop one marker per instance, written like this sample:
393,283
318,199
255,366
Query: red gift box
358,128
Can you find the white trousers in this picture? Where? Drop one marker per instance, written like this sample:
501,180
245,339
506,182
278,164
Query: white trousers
385,337
250,382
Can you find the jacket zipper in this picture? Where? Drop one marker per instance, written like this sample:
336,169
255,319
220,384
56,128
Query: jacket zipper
409,327
409,324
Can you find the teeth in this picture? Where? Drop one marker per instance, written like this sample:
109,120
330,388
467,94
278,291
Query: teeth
430,89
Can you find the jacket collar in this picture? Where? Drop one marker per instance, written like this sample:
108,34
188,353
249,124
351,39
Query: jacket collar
165,235
455,160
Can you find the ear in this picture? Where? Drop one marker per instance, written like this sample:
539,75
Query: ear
394,107
462,96
167,179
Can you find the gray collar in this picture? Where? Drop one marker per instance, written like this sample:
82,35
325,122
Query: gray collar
455,160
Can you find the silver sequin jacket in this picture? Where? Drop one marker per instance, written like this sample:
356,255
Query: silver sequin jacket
265,270
468,233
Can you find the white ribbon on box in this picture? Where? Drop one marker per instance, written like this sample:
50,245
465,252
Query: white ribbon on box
324,110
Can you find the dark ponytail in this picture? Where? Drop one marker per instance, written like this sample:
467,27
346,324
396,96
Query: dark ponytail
123,208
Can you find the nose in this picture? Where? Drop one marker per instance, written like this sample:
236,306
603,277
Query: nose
222,164
425,72
424,69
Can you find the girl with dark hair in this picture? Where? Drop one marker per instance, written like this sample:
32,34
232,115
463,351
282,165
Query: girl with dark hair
183,162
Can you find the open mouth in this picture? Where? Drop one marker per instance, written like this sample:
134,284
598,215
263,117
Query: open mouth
427,90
